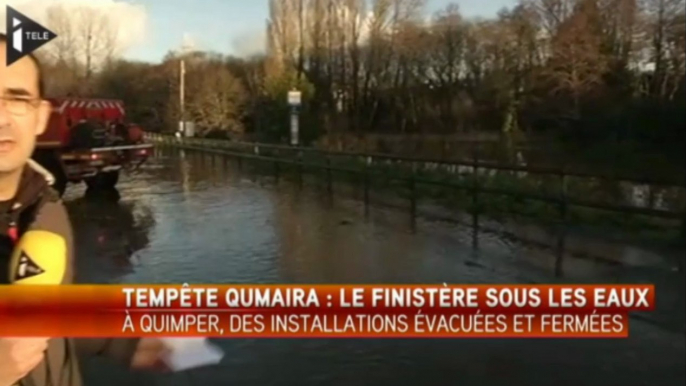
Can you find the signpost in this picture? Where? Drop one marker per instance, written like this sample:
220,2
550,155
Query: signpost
182,97
295,101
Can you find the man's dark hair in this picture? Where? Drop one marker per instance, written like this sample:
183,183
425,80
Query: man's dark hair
39,69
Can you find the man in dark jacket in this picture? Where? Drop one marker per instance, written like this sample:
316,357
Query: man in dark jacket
28,202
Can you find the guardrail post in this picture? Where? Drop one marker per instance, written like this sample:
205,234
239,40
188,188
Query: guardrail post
365,177
680,263
299,160
562,226
475,200
276,171
329,184
413,199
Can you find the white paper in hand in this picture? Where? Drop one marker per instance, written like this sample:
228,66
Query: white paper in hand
188,353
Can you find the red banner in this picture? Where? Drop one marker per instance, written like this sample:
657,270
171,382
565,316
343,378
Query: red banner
350,311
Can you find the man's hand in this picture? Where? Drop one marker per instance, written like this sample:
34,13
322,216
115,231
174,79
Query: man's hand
150,355
18,356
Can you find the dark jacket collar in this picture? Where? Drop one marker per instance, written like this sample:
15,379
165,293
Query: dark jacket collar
33,183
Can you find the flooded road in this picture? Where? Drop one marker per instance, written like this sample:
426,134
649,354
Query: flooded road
196,218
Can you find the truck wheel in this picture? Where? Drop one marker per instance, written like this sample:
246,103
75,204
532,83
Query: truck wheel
103,181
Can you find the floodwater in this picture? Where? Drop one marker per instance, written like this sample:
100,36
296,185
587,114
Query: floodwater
198,218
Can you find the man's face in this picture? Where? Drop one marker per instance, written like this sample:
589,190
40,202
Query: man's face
23,116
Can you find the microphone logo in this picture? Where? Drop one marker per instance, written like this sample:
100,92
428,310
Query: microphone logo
24,35
27,268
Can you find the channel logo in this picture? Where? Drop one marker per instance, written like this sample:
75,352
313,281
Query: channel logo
24,35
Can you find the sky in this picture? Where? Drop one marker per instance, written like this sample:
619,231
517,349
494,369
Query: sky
151,28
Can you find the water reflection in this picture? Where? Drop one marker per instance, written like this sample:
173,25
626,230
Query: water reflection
306,233
108,235
201,220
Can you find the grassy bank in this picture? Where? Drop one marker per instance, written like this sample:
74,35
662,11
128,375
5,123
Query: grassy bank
501,207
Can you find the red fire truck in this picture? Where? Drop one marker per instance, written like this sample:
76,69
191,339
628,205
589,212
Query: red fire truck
89,140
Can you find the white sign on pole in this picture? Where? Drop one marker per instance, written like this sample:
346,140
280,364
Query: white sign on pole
294,98
295,130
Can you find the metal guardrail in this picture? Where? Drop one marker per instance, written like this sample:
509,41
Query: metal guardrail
366,171
481,163
122,147
563,201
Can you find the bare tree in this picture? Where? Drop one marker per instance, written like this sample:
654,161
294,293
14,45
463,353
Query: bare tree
96,39
553,13
216,98
88,39
283,31
356,9
665,28
620,25
577,63
62,49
